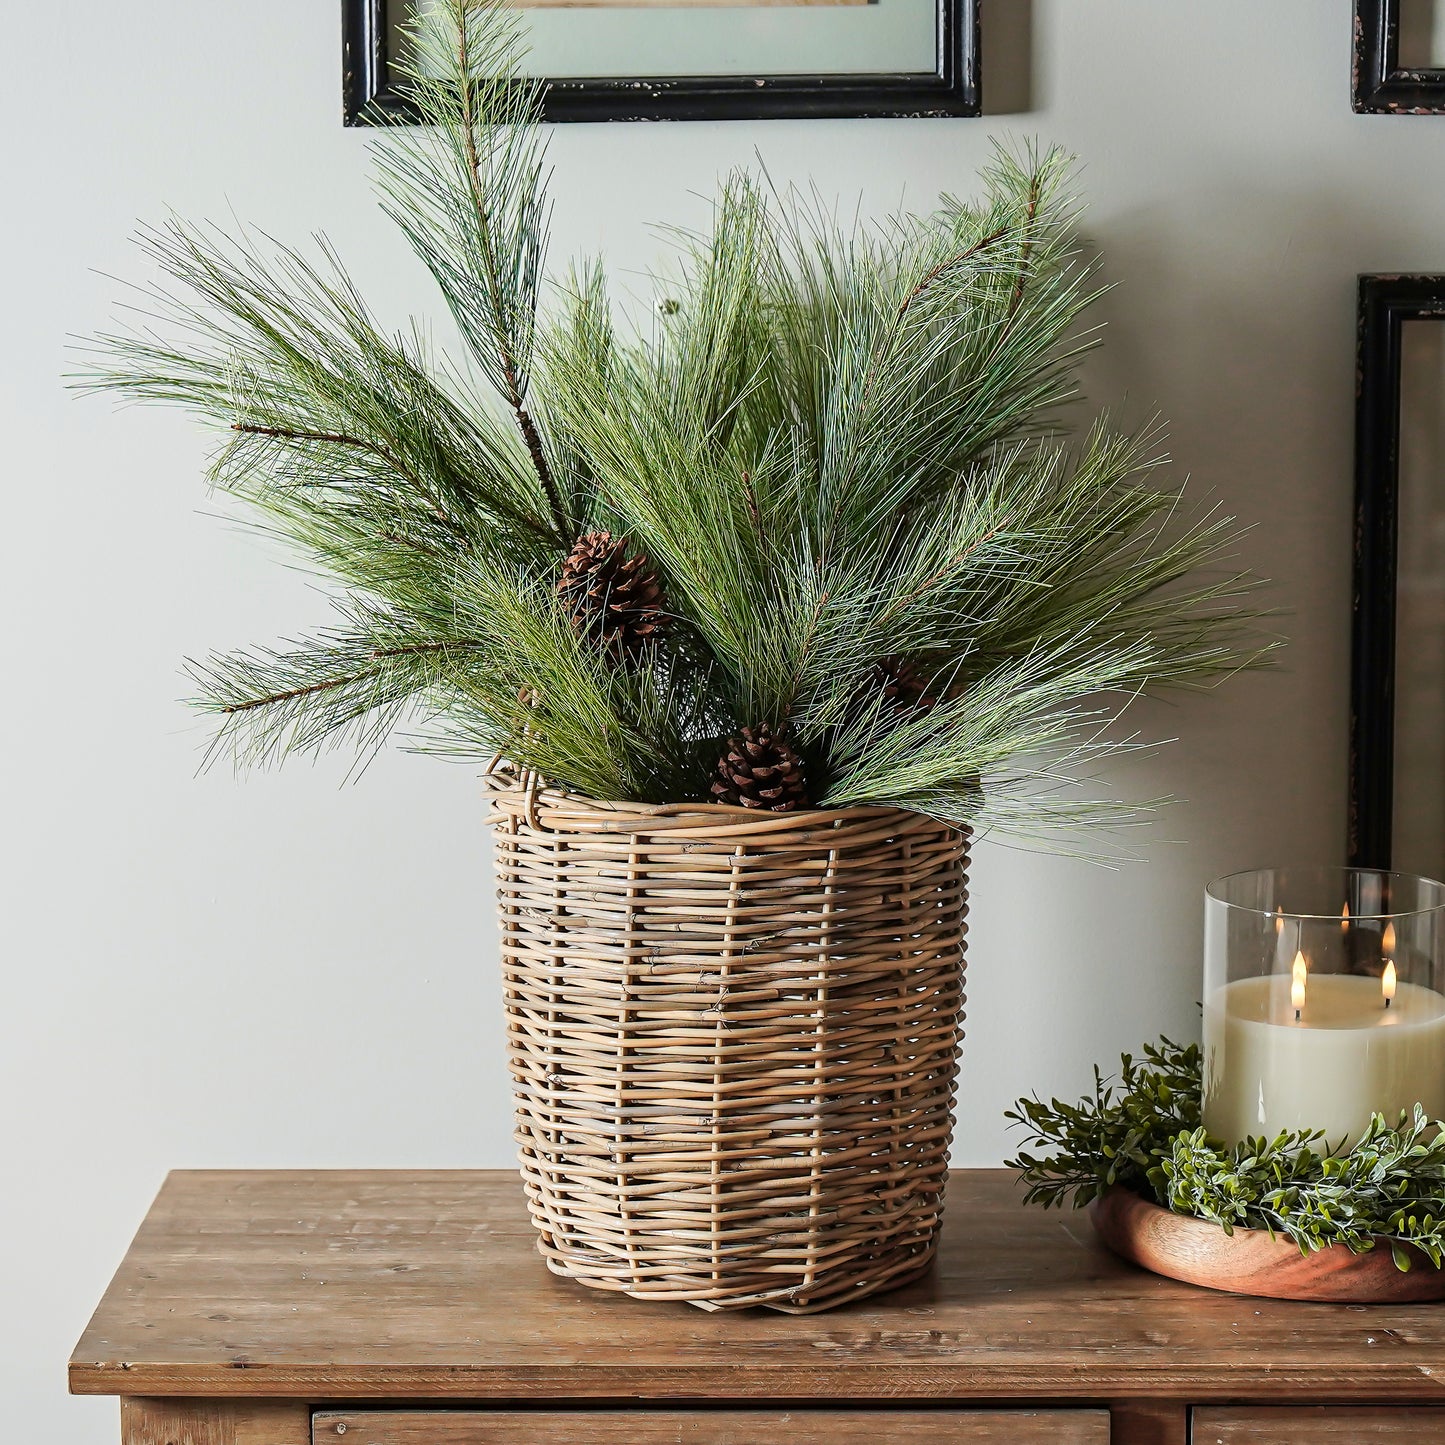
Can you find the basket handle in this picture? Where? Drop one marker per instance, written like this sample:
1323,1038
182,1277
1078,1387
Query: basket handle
502,775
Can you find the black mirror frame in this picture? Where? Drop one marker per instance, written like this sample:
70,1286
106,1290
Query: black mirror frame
1378,84
370,95
1385,304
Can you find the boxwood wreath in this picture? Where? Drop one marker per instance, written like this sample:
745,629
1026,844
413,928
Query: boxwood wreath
802,529
1146,1135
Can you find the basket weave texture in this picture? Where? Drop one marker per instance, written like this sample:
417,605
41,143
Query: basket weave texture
733,1040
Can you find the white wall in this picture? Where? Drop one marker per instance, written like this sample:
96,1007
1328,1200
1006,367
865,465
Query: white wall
284,971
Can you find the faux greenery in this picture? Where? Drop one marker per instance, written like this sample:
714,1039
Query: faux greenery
836,446
1146,1136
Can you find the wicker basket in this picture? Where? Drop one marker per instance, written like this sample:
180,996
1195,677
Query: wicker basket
733,1040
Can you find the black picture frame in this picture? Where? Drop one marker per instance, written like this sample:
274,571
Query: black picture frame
370,94
1385,304
1379,86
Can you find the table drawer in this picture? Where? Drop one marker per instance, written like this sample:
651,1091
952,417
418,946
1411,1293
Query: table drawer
1318,1425
710,1427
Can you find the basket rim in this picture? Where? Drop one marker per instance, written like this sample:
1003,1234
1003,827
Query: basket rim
505,781
519,792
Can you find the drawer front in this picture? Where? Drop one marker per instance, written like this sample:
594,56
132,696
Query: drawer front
1319,1425
710,1427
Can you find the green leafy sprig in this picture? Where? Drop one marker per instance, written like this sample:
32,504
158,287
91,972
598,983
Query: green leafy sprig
1144,1135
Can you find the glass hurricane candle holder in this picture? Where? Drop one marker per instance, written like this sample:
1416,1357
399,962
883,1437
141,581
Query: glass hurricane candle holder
1324,1001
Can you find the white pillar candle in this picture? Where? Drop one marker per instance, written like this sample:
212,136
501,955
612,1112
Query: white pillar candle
1325,1053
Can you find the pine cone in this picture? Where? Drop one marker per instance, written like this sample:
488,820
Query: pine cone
615,601
905,689
759,770
905,685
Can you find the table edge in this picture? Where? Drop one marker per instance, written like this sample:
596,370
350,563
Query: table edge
1201,1383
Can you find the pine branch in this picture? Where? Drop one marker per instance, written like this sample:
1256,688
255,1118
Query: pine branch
342,439
934,578
474,208
834,447
513,388
379,654
281,351
539,460
1031,210
930,276
350,685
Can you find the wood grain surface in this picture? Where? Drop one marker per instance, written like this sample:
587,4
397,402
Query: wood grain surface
714,1427
343,1286
1250,1262
1149,1422
1323,1425
215,1422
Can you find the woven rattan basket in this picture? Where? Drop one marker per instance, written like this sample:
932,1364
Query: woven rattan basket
733,1040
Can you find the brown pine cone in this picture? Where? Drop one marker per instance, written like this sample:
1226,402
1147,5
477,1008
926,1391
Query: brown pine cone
893,691
615,601
760,770
905,685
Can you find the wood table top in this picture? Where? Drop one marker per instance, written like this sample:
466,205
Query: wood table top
387,1284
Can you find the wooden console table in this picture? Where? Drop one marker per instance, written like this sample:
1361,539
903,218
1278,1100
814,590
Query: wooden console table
395,1308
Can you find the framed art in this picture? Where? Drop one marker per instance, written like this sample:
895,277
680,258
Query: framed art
708,59
1397,685
1399,57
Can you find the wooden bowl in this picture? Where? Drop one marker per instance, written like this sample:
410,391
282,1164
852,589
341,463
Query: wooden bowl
1250,1262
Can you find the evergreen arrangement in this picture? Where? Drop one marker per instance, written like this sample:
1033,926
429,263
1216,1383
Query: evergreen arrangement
807,535
1148,1138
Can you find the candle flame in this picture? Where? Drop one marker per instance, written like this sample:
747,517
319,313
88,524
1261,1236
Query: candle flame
1387,982
1279,922
1298,973
1345,917
1387,942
